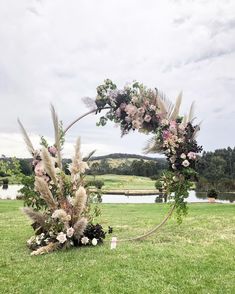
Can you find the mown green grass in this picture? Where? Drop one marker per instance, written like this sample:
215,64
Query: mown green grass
195,257
122,182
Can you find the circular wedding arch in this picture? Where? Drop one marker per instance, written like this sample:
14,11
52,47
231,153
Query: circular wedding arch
138,108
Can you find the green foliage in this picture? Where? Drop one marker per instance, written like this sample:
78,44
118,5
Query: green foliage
30,196
9,167
212,193
95,183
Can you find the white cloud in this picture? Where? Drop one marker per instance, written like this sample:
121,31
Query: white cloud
59,51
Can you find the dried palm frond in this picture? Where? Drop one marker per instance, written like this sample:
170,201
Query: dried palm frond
197,129
80,227
26,138
152,146
89,156
185,120
57,135
79,202
42,187
175,112
35,216
89,102
164,104
46,249
49,165
191,112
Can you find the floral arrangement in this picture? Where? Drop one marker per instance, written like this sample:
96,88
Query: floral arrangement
66,218
135,107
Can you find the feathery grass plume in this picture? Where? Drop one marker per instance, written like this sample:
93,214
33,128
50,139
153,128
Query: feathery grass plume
49,165
79,202
42,187
26,138
46,249
185,120
80,227
35,216
152,146
191,112
57,135
175,112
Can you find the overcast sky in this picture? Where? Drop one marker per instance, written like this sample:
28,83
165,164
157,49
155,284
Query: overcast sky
58,51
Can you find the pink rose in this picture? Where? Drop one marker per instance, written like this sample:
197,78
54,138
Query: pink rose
166,135
131,109
118,112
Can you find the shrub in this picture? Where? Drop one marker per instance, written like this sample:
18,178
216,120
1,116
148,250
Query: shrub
212,193
96,183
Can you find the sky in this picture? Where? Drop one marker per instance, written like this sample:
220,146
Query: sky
59,51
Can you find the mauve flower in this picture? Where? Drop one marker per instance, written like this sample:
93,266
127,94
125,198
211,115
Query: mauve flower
192,155
84,240
173,125
118,112
183,156
147,118
94,241
166,135
122,106
52,150
70,232
185,163
61,237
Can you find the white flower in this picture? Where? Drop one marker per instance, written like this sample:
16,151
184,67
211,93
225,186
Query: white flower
94,241
152,107
84,240
31,240
70,232
61,237
181,127
183,156
185,163
173,159
173,166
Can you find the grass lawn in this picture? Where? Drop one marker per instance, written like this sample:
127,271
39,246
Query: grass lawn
122,182
195,257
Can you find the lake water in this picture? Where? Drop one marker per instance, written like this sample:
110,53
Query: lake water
12,192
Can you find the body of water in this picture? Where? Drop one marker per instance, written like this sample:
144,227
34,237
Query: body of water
12,192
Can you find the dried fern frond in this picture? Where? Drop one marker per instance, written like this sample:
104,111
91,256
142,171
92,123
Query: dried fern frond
57,135
191,112
26,138
175,111
80,227
42,187
185,120
152,146
49,165
46,249
89,102
79,202
35,216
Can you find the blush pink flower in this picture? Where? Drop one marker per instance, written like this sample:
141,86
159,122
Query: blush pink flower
147,118
52,150
166,135
39,169
131,109
192,155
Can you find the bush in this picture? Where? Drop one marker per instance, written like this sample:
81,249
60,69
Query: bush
96,183
212,193
158,186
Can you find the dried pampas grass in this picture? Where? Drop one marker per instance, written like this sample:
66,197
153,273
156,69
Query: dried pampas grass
175,112
57,135
80,227
42,187
79,202
46,249
26,138
49,165
35,216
